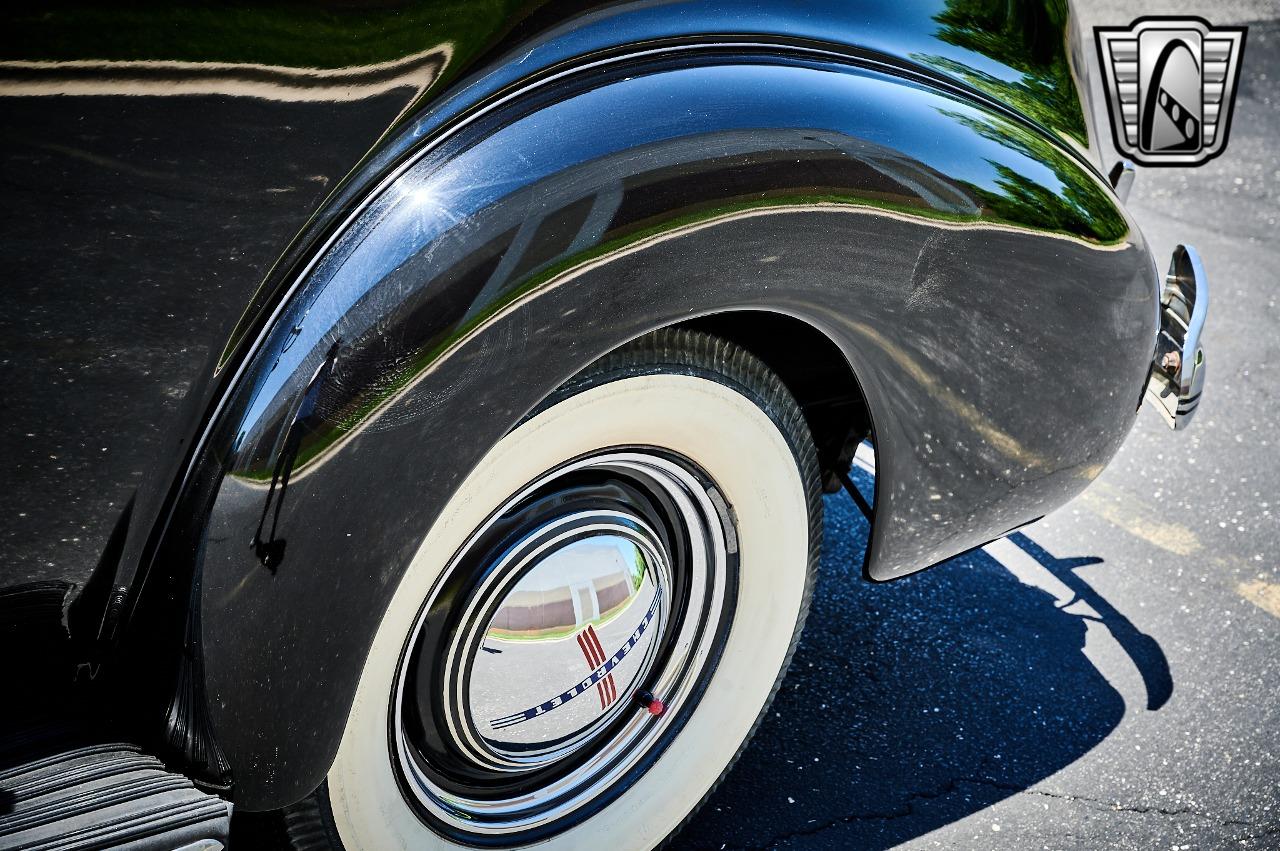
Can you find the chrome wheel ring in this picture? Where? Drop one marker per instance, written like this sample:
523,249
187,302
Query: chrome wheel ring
564,646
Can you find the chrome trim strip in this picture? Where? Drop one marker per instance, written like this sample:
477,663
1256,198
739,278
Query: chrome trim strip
1121,177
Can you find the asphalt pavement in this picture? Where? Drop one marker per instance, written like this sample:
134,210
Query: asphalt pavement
1110,677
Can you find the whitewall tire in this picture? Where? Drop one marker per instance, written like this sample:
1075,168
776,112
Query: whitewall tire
715,622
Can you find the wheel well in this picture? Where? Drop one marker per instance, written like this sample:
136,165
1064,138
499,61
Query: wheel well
814,370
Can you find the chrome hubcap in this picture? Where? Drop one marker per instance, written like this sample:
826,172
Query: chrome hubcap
607,580
588,615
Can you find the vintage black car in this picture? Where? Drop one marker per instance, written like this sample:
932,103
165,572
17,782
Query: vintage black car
416,415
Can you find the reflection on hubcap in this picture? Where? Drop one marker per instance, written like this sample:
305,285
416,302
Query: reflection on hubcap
569,645
516,713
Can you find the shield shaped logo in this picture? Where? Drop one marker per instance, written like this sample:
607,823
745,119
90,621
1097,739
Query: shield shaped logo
1170,84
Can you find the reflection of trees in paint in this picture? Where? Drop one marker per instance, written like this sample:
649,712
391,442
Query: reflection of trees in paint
1030,38
791,168
1078,206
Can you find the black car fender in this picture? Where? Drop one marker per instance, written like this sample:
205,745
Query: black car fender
992,299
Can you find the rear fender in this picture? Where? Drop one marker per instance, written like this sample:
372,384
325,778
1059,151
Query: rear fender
957,257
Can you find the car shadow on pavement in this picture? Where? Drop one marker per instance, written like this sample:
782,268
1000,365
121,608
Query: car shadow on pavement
913,704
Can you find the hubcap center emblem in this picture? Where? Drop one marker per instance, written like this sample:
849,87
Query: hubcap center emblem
569,645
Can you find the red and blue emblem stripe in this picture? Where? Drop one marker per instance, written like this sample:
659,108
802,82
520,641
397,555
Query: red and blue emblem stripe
600,677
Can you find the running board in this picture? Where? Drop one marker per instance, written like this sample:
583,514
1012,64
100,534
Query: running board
105,796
